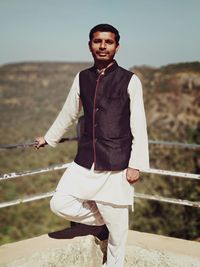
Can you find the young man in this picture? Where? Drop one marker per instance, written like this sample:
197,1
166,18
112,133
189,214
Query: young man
95,190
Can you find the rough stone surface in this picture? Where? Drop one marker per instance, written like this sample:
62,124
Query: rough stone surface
81,252
140,257
143,250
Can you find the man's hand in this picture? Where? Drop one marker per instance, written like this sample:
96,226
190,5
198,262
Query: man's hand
40,142
132,175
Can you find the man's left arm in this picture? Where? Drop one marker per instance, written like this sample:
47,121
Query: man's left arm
139,158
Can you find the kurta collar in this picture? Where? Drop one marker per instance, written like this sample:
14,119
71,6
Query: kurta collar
108,69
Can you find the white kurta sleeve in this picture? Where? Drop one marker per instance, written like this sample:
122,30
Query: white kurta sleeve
139,158
67,115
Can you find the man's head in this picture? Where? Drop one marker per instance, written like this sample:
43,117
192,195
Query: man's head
103,43
105,28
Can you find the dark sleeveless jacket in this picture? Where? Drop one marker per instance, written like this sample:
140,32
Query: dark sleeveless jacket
107,137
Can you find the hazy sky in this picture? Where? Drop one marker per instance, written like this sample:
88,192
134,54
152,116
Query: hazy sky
153,32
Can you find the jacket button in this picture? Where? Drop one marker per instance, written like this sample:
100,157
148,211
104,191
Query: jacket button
97,109
95,125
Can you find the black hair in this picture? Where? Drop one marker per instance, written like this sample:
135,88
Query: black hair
105,28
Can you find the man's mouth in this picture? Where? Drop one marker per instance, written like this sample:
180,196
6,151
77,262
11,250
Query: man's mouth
102,54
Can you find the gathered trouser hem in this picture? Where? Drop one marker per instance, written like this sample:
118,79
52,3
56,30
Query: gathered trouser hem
95,213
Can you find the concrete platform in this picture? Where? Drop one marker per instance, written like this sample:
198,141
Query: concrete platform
143,250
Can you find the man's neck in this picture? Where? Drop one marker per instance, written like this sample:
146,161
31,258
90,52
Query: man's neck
102,66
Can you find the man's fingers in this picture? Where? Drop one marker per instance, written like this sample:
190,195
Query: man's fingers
133,180
132,175
39,142
37,146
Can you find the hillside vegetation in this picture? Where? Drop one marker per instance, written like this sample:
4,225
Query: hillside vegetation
31,95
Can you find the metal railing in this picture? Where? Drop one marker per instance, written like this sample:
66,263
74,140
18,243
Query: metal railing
29,198
155,142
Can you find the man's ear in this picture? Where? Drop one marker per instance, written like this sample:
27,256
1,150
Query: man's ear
117,48
89,45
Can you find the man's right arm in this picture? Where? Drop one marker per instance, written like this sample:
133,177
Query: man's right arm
65,118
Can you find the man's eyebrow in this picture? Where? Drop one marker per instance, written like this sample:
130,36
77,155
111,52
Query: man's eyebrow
99,39
109,40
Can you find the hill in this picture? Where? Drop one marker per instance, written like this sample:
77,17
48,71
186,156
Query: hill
172,97
32,94
31,97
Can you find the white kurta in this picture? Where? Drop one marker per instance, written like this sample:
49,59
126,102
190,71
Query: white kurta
103,186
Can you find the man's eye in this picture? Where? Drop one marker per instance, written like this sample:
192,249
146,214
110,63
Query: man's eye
109,42
96,41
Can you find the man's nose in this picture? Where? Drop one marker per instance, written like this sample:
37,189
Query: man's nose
103,45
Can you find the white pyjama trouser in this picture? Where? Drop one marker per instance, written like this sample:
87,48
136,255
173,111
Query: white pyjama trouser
95,213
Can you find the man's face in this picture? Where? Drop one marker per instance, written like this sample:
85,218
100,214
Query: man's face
103,46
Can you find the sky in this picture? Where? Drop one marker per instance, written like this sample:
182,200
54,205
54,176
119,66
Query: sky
153,32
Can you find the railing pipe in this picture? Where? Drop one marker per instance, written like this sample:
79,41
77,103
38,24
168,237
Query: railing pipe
195,204
14,175
156,142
